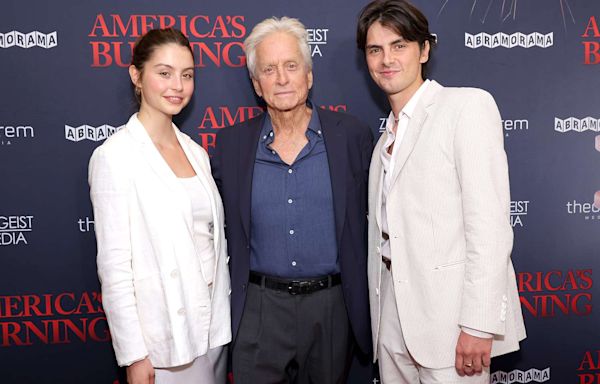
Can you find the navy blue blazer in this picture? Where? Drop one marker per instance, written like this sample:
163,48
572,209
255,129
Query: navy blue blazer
349,144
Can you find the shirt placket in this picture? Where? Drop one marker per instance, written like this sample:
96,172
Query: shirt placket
291,187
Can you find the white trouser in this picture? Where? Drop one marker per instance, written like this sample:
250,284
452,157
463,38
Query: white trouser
396,365
206,369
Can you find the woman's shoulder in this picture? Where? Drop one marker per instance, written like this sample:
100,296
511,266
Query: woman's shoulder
192,144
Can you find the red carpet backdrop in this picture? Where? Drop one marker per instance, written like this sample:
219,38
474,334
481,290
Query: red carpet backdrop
65,89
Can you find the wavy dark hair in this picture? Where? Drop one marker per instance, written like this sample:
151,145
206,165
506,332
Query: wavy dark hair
400,16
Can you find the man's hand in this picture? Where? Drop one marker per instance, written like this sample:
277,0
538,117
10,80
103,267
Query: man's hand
140,372
472,354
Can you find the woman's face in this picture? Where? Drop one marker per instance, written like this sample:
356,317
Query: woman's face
167,80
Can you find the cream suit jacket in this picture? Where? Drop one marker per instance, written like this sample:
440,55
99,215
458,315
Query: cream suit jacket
147,261
449,228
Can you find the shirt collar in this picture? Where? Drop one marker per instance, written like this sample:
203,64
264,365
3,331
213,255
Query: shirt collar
267,135
409,108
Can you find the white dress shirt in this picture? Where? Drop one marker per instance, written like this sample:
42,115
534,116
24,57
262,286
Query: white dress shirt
394,137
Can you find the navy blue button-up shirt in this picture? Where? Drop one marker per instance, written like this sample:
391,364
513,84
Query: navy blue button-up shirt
292,226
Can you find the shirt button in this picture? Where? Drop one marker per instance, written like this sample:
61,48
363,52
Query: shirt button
271,133
273,152
174,273
290,170
181,312
264,137
291,231
293,263
290,201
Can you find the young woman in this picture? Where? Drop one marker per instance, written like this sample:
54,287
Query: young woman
159,228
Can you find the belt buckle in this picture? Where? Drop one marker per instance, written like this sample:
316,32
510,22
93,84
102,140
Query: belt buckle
299,287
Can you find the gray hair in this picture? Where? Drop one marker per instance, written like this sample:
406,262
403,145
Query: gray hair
271,25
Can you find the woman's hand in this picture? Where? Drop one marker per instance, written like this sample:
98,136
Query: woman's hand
140,372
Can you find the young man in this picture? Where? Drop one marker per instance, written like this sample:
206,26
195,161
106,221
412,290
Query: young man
442,286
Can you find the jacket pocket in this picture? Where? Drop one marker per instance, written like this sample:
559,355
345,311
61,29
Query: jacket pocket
451,264
152,309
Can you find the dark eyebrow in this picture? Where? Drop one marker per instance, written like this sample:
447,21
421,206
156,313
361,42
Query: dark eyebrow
170,67
397,41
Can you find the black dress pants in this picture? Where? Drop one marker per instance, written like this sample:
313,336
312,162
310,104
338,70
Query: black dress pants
296,339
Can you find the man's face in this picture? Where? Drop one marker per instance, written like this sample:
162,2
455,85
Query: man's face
394,63
281,77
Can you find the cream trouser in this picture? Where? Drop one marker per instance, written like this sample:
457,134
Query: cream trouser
396,365
205,369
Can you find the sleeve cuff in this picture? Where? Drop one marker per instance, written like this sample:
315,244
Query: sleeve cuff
129,363
476,333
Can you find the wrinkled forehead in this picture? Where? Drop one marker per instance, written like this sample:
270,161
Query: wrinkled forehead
278,47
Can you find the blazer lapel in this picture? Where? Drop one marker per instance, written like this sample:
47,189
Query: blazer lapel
204,177
376,179
247,142
203,174
165,175
150,154
415,126
334,136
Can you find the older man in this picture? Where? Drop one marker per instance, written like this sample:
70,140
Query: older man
294,187
442,287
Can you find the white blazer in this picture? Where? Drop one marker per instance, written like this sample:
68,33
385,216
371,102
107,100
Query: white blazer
153,293
449,228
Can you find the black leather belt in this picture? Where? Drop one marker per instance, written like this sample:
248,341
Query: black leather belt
296,286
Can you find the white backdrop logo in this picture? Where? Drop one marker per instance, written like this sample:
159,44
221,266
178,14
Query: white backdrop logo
504,40
86,224
14,229
28,40
11,133
518,212
382,124
88,132
576,125
517,376
586,209
514,125
317,39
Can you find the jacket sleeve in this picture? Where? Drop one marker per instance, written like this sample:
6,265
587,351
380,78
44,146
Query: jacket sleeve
109,191
483,174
